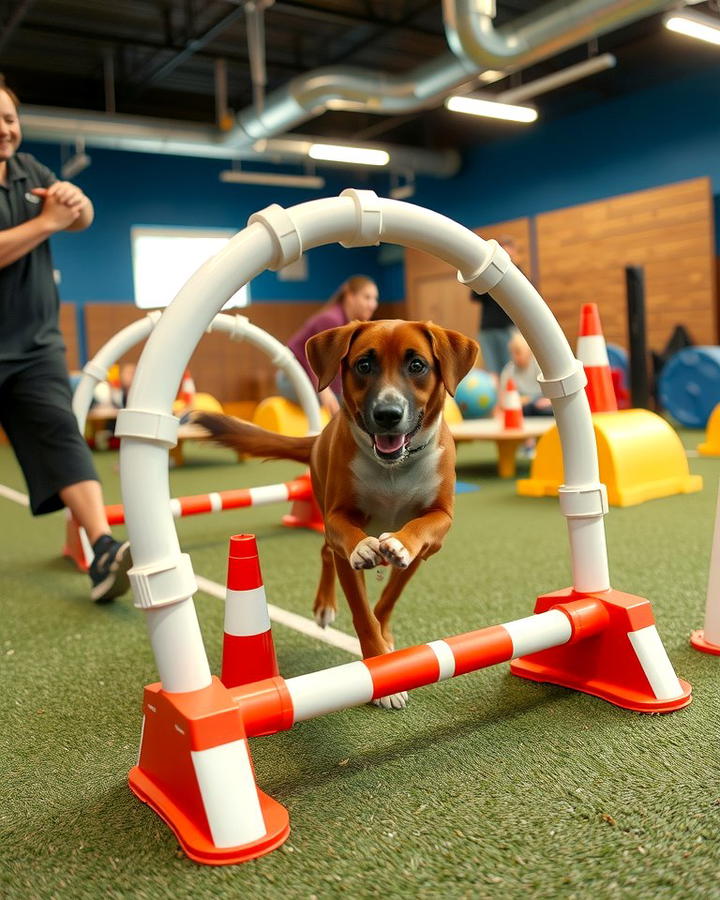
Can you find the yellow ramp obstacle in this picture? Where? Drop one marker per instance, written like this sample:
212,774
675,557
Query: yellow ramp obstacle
280,415
711,445
641,458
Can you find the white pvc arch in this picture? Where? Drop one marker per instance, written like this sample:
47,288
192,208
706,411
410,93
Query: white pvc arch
162,578
238,328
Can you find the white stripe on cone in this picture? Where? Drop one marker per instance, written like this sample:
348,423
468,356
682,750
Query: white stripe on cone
229,794
246,612
592,351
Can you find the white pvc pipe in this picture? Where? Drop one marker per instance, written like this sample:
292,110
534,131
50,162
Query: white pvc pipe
711,630
143,461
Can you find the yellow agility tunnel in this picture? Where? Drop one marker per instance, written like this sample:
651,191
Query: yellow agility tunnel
640,456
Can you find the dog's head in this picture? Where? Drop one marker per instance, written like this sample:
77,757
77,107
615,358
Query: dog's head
394,374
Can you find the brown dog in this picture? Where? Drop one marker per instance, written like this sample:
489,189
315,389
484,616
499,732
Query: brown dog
383,469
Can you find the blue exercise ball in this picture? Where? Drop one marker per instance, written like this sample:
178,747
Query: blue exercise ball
689,385
476,394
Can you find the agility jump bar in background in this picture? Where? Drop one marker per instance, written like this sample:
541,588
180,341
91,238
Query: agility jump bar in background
299,489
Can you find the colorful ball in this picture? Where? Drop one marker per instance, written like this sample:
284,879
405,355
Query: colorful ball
476,394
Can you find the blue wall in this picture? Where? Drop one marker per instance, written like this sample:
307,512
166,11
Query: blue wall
654,137
147,189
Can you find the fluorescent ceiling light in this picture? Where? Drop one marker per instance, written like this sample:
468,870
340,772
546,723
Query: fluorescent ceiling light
275,179
477,106
339,153
694,25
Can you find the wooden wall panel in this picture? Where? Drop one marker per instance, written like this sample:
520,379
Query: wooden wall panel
432,290
228,370
582,252
68,328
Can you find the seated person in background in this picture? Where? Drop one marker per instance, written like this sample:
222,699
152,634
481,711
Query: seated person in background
355,299
524,370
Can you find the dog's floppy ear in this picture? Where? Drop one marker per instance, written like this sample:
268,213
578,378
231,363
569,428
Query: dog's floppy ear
326,350
455,354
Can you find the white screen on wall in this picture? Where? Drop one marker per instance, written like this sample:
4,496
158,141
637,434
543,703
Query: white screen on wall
165,258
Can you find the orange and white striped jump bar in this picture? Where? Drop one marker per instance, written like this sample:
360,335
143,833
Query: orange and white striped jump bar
218,501
649,681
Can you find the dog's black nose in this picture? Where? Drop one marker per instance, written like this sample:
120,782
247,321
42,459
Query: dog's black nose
387,415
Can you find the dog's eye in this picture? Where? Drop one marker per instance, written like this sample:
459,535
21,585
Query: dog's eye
363,366
417,366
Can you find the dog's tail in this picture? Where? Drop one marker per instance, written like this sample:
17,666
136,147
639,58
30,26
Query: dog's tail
253,440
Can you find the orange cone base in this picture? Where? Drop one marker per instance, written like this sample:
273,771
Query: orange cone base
697,640
604,665
194,841
304,514
177,726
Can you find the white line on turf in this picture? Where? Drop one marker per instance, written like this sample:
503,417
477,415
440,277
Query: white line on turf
282,616
11,494
291,620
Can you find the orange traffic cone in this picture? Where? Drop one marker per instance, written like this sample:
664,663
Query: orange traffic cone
592,353
511,406
187,389
248,648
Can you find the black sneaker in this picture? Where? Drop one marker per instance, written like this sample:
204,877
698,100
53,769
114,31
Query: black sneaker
109,568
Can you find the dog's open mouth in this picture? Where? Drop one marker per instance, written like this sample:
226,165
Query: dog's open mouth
392,447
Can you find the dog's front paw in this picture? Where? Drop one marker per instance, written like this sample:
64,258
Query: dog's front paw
393,701
394,551
366,554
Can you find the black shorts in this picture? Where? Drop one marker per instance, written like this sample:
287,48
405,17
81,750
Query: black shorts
36,413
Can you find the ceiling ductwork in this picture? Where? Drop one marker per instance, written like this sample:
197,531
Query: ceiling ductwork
547,31
146,135
477,46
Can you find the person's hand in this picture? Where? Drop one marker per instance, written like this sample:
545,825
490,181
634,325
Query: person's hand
543,403
329,401
57,214
64,192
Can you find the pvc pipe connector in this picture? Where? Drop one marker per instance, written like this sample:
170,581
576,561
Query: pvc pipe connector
491,271
284,232
95,370
163,583
583,502
158,428
369,218
570,384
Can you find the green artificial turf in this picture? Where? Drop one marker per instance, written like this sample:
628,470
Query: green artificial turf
486,786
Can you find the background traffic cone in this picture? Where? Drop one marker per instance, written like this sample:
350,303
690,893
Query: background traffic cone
592,353
187,389
511,406
248,649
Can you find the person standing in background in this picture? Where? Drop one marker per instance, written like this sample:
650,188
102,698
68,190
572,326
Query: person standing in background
496,326
355,299
35,399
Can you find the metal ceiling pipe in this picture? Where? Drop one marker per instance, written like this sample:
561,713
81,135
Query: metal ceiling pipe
476,47
557,79
148,135
552,28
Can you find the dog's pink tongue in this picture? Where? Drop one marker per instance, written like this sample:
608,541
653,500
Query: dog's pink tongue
389,443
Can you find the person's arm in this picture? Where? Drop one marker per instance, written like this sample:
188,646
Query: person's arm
19,241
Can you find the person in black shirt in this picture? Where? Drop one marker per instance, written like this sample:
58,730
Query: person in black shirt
496,326
35,399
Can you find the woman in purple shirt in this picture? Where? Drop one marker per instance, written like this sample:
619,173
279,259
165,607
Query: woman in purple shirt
355,299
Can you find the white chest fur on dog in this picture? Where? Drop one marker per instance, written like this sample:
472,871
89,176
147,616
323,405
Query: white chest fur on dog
392,495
